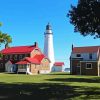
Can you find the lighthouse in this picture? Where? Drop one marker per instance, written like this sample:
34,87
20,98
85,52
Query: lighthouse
48,45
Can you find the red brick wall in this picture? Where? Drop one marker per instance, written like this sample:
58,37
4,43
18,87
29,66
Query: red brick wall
74,64
35,69
93,71
45,64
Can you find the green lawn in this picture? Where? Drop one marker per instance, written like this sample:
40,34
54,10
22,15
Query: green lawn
54,86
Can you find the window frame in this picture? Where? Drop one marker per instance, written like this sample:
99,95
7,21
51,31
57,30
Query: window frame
78,54
20,56
88,64
6,57
27,55
15,57
11,56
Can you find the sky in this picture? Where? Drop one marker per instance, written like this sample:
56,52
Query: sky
25,21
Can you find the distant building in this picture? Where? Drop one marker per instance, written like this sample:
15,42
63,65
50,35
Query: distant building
58,67
85,60
67,70
27,59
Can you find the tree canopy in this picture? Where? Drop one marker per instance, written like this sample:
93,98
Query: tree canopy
86,17
5,38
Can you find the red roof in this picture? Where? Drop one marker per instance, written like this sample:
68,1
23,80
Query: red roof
23,62
39,57
35,60
18,49
58,63
90,49
32,60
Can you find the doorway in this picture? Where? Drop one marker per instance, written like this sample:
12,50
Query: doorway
78,70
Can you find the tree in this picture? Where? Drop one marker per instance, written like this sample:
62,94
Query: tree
86,17
5,38
1,38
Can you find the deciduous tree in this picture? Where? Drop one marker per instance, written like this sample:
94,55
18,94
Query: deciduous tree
5,38
86,17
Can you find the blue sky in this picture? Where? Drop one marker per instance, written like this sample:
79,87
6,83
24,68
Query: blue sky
25,21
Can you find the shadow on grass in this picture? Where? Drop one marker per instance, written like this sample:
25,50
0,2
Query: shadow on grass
46,91
87,80
59,73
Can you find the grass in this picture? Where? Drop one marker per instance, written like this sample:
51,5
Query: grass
54,86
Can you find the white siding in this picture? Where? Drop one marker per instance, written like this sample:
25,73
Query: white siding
85,56
48,47
9,67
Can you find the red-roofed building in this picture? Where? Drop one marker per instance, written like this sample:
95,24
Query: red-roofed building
58,63
32,60
15,58
37,64
85,60
58,67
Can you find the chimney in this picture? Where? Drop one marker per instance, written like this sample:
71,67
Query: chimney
36,44
72,47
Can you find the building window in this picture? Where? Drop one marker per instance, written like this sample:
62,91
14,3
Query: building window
6,57
90,56
35,51
22,67
88,65
15,57
45,60
26,55
78,55
78,64
11,56
20,56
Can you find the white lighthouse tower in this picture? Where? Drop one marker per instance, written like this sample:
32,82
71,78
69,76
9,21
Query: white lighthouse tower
48,45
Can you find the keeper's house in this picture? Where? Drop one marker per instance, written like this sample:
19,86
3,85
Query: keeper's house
28,59
85,60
